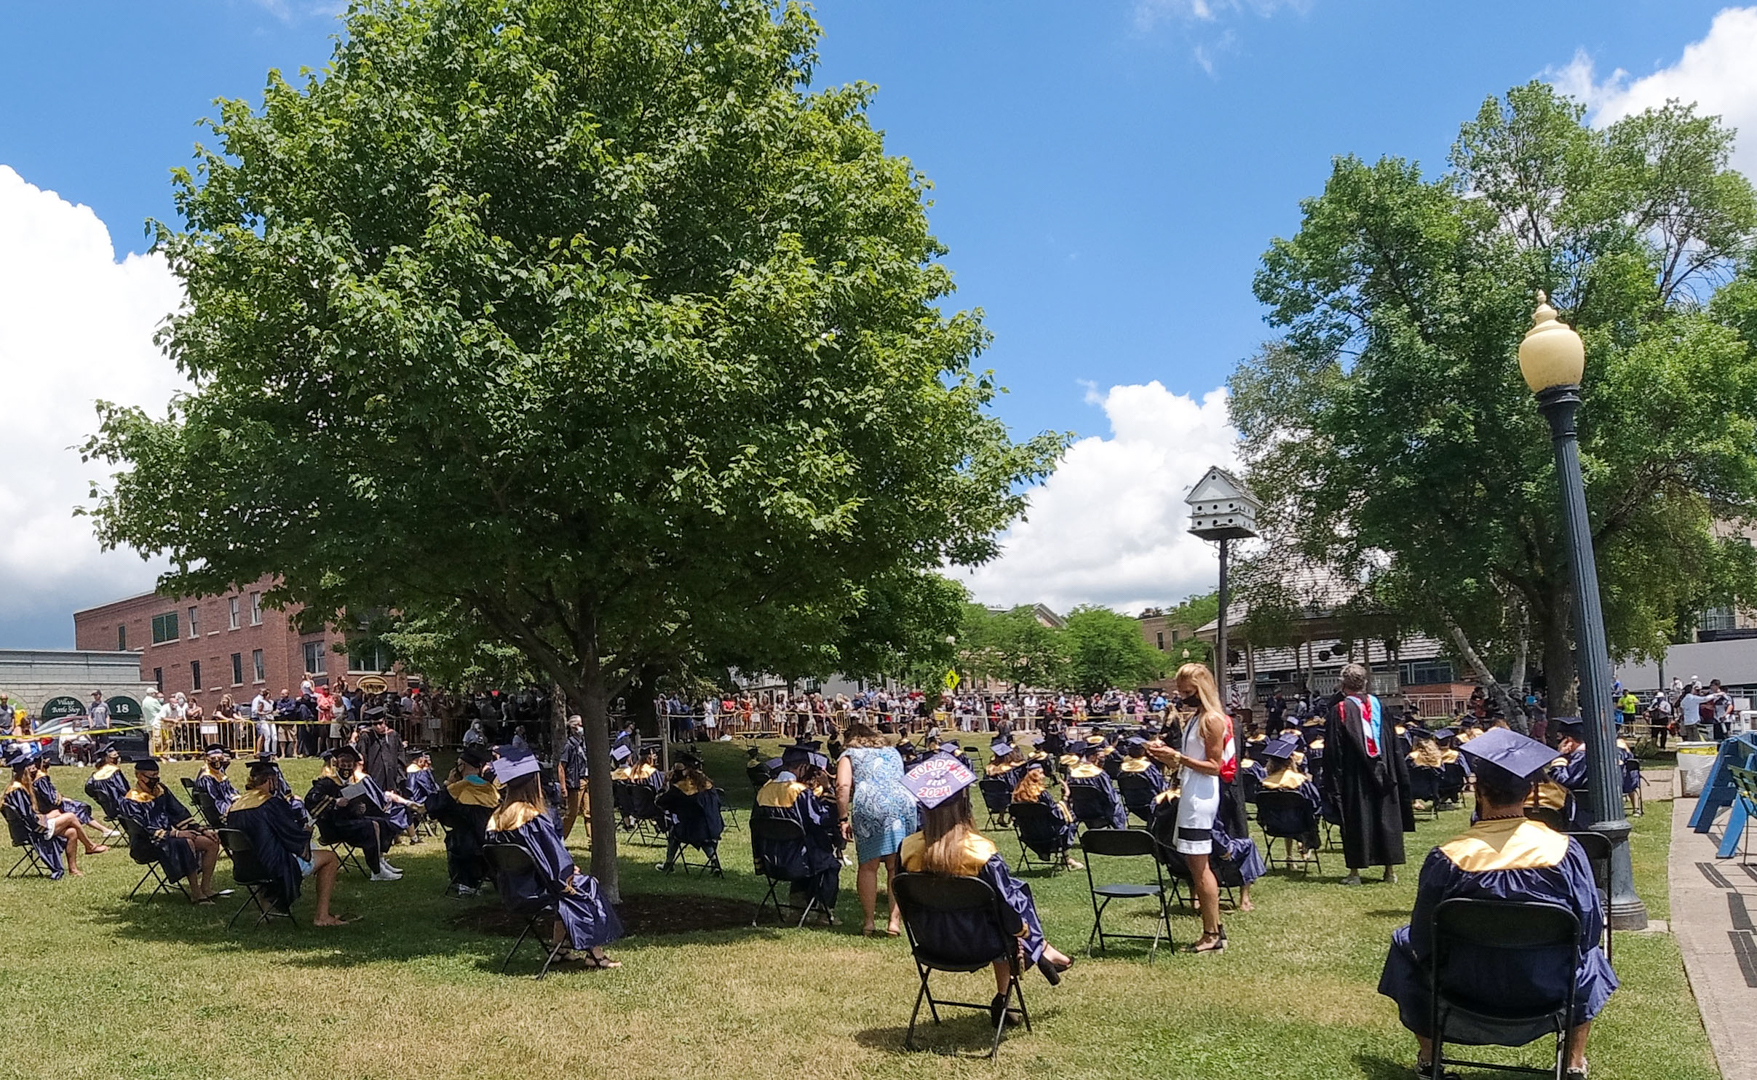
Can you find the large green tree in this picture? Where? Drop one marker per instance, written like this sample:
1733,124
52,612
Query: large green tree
1389,432
1106,650
588,321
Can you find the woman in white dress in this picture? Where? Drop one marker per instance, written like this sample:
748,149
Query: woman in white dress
1208,751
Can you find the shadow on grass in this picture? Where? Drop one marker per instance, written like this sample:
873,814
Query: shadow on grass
961,1033
1376,1067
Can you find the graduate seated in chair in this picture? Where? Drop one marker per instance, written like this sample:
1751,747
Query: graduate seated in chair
1570,771
52,806
1504,856
57,840
107,786
1140,781
584,919
812,869
693,803
281,842
1006,764
1092,792
1282,773
463,806
213,780
170,835
351,818
1034,788
389,806
949,844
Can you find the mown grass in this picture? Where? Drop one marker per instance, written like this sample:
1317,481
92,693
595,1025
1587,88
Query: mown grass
107,988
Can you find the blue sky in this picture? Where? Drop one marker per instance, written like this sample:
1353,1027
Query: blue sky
1107,175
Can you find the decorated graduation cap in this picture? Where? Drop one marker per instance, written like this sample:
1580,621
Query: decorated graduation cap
937,779
774,765
1282,747
1506,749
1571,726
619,752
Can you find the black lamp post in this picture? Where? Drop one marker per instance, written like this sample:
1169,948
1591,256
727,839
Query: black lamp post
1553,359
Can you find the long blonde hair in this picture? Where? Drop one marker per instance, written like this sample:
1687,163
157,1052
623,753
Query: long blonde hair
944,827
1207,693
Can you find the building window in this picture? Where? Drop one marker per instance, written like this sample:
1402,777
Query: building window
1427,673
195,674
1161,636
121,637
164,628
256,665
255,609
314,658
195,624
159,678
369,655
1719,618
237,669
232,611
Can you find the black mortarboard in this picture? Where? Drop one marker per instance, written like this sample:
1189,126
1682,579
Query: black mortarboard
346,751
804,743
689,759
1571,726
937,779
17,755
1509,750
475,754
146,764
103,749
216,748
1445,733
262,767
950,747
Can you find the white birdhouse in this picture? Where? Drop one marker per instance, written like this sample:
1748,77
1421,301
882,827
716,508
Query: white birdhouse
1221,508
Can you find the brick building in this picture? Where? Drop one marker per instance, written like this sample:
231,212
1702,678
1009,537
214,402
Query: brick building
228,644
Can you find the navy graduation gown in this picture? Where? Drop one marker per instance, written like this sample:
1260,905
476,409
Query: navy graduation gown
966,937
814,868
590,921
1279,822
158,815
108,787
49,800
22,801
418,785
219,788
463,807
1234,860
1139,785
1064,829
1502,859
1574,776
278,837
352,824
1103,809
695,815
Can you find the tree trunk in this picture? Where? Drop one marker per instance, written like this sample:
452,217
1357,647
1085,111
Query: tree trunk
558,713
1558,657
595,711
1513,710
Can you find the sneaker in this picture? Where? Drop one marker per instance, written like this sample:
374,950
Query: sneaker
1352,879
384,874
465,890
386,864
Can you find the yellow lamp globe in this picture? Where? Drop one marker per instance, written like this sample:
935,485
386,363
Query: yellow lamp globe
1551,354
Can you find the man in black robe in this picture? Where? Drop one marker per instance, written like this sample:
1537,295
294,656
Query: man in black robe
1366,779
381,751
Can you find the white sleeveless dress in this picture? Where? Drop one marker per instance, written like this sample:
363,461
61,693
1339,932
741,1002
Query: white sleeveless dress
1199,794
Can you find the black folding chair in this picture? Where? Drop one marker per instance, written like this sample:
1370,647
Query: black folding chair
514,861
139,840
32,859
1286,815
1598,852
1476,934
997,797
1555,819
1040,835
923,897
250,875
346,854
1089,806
209,810
1137,794
649,820
779,831
1125,844
1453,780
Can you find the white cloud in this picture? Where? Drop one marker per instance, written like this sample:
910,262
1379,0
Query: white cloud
1108,526
1718,74
1204,22
75,326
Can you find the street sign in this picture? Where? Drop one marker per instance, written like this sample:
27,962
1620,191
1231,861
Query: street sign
952,680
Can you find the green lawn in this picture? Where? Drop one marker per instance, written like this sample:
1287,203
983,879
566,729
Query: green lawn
107,988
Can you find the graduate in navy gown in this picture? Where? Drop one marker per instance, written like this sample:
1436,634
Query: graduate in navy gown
350,820
170,835
418,781
693,804
1282,774
463,806
49,800
585,920
1005,762
20,799
107,786
1034,788
281,842
1100,807
1571,773
389,807
949,844
1504,856
812,868
1139,781
213,780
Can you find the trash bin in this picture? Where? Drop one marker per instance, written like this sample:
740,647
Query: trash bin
1694,761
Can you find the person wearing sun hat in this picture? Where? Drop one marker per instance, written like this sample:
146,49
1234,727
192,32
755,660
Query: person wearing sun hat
949,844
1503,856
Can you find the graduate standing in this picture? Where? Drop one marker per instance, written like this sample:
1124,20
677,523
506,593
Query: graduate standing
583,917
1366,779
1504,856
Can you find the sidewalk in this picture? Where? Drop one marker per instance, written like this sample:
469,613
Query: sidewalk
1713,902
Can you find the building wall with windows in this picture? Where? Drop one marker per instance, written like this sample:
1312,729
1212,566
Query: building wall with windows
210,646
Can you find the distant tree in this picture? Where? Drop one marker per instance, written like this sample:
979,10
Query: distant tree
583,322
1106,650
1389,432
1013,647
